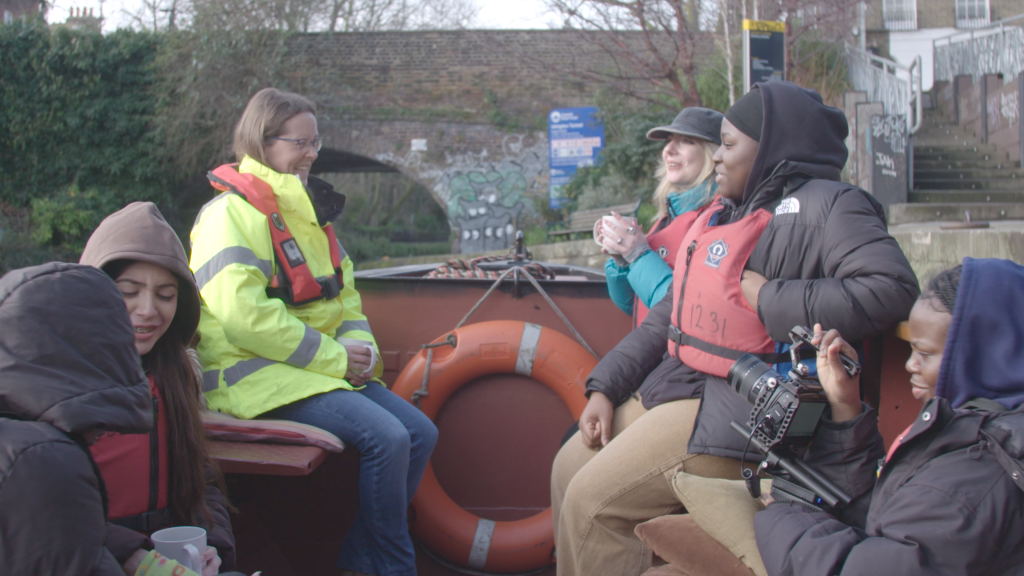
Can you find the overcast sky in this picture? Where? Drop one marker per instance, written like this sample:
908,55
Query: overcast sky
508,14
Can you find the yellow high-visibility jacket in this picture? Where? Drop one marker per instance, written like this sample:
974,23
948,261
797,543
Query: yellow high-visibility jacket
259,353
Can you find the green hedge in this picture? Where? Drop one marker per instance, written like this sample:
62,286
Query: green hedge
76,107
76,135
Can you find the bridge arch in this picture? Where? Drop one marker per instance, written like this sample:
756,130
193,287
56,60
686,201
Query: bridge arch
485,178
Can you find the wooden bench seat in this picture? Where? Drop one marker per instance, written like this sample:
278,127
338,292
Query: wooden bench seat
265,458
582,221
902,331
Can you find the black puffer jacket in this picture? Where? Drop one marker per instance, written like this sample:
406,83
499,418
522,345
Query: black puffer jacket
826,253
943,503
68,365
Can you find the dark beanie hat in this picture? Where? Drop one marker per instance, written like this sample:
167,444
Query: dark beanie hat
747,114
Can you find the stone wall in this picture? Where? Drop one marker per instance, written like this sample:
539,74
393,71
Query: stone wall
462,112
991,108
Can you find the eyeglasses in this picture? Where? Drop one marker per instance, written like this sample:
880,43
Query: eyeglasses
303,143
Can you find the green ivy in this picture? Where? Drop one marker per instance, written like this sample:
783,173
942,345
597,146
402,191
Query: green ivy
76,107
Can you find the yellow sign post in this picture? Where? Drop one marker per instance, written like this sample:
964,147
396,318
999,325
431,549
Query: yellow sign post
764,52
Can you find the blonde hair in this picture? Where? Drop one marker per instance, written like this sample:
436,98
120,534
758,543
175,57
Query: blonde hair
263,117
666,187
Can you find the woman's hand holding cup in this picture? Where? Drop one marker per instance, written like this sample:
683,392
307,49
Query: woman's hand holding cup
621,236
211,561
359,359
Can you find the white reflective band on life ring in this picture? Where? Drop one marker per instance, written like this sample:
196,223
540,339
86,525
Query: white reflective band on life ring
481,543
527,349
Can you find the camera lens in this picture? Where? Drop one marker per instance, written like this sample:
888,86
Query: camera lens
748,376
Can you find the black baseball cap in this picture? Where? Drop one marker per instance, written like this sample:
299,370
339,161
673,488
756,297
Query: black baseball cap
702,123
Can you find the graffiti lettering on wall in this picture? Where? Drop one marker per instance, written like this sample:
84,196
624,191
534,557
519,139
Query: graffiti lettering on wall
892,129
1003,110
888,147
485,207
485,195
1009,107
486,226
886,164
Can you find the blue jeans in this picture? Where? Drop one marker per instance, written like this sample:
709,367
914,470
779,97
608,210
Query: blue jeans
394,440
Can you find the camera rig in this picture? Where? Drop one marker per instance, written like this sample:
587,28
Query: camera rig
785,416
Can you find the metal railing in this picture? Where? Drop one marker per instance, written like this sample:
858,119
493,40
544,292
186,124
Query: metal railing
997,49
897,87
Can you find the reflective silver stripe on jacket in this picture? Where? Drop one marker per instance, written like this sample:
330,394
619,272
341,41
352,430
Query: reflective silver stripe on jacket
228,256
341,252
350,325
214,201
211,380
353,341
245,368
306,350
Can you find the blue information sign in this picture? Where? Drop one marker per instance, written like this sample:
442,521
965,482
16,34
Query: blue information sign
575,140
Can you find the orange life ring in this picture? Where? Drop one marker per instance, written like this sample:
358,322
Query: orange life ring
497,347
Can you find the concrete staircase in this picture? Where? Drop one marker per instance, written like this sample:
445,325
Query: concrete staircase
956,178
955,172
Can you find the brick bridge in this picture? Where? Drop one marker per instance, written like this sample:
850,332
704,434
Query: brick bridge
462,112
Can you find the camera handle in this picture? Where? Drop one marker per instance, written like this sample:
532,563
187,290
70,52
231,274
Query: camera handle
803,475
802,338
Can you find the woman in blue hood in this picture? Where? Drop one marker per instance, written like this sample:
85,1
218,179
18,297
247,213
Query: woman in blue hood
946,500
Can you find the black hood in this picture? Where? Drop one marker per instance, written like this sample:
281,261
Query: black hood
67,352
327,202
801,139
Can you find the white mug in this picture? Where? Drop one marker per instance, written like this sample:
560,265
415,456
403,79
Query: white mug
607,219
183,544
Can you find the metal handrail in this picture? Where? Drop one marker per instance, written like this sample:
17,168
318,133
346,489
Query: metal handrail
997,24
896,87
994,49
916,87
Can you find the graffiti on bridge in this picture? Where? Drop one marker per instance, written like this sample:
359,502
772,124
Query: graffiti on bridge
486,194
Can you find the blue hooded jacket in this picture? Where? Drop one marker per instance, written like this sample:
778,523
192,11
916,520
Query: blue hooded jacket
984,353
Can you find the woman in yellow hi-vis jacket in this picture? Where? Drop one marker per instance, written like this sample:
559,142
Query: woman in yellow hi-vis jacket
282,329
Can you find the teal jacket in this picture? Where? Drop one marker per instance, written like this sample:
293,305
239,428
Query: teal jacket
649,277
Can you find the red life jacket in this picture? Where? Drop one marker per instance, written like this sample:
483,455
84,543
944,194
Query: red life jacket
665,242
293,283
712,323
135,471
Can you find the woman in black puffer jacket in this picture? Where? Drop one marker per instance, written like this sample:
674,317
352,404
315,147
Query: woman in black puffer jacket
823,256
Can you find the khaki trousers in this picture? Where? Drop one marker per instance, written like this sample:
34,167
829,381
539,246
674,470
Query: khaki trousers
599,496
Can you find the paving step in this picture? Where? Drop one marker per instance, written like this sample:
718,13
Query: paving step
961,157
980,184
951,164
980,211
959,173
955,196
945,140
947,148
943,132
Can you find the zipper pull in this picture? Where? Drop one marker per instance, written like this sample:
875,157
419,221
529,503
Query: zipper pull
689,251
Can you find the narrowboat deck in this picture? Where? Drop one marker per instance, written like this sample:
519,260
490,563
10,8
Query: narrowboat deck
498,435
